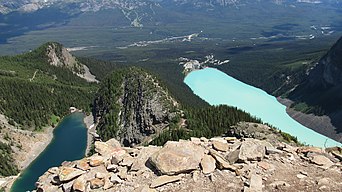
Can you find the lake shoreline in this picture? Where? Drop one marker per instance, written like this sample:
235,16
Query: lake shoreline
320,124
216,87
43,139
88,120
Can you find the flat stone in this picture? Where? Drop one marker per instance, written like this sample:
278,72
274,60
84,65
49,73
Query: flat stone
69,173
175,157
127,160
139,162
309,149
221,162
255,183
108,184
165,179
95,160
79,184
272,150
250,150
106,150
122,172
208,164
52,188
67,187
100,175
203,139
264,165
53,170
115,179
144,188
322,161
83,165
220,146
337,155
112,167
96,183
113,143
301,176
324,181
277,184
195,140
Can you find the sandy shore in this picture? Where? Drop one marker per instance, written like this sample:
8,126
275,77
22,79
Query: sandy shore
91,126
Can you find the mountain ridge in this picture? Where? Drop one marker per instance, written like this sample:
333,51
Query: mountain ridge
199,164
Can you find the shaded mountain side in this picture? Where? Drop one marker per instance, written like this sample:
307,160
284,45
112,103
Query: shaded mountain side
321,92
131,105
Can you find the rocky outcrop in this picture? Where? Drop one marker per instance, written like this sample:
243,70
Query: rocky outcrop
175,157
59,56
322,88
197,166
139,107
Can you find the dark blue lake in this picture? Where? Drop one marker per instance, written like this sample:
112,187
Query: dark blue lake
69,143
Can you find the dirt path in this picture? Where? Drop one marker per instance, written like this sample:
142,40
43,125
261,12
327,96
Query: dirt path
34,75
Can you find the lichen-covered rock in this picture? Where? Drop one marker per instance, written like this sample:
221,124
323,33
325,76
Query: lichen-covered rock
175,158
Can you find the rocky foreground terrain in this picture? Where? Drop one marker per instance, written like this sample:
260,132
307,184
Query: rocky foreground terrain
200,164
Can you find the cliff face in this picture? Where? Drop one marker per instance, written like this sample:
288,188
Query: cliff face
323,86
131,105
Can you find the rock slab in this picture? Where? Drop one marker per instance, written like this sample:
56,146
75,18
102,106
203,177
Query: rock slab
175,157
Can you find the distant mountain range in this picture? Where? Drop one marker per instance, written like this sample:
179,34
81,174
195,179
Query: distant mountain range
96,5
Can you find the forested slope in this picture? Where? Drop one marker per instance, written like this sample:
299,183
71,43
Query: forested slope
33,89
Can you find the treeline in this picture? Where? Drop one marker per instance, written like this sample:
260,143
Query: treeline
7,168
32,104
205,122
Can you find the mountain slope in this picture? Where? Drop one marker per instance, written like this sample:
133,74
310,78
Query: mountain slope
321,92
132,105
42,83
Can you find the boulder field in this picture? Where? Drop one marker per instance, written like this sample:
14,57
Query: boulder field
199,164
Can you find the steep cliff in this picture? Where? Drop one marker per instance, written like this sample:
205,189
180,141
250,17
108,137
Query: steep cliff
321,92
131,105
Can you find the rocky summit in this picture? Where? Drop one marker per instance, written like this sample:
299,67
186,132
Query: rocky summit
199,164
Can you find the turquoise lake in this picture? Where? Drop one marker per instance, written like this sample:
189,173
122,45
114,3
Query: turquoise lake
69,143
217,88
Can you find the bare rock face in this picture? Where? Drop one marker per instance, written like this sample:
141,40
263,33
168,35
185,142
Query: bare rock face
59,56
175,158
139,110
